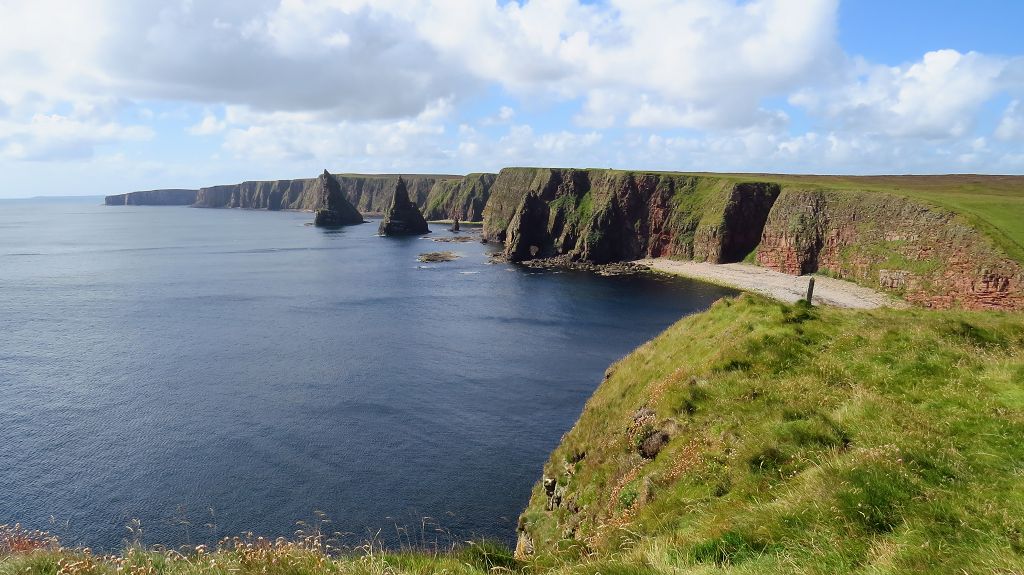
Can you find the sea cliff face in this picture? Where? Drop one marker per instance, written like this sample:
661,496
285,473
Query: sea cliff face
602,216
368,193
171,197
926,254
459,198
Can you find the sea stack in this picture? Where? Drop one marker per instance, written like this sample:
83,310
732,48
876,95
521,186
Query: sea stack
403,218
334,209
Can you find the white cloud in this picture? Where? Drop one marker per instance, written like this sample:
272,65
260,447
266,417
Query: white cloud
209,125
375,84
937,97
521,144
1011,126
53,136
255,135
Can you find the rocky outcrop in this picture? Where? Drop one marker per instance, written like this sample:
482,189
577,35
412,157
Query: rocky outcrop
335,210
603,216
175,197
926,254
402,217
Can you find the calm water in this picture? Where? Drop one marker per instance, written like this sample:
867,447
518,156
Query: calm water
210,372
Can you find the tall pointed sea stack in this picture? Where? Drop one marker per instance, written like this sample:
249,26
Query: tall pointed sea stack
403,217
334,209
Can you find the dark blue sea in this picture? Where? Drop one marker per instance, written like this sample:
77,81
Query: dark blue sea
198,373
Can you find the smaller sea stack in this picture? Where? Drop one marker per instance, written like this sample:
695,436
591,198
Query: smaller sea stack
334,209
403,218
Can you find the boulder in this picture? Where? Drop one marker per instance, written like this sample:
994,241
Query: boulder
403,218
652,444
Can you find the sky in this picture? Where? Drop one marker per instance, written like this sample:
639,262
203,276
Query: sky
110,96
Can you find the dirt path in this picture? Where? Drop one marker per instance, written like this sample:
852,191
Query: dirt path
778,285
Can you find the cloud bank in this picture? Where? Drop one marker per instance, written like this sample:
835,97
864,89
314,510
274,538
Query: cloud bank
452,85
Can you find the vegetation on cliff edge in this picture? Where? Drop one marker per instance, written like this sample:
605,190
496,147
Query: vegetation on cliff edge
762,437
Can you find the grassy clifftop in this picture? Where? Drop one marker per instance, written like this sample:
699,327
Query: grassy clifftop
760,437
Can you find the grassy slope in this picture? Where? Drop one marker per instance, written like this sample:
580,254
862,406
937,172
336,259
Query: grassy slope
824,441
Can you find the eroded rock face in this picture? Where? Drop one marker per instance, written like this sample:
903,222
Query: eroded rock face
368,193
402,217
460,198
743,218
928,255
528,236
335,210
603,216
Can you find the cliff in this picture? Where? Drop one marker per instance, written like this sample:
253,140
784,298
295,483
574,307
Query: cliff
926,254
368,193
459,199
764,438
603,216
914,248
172,197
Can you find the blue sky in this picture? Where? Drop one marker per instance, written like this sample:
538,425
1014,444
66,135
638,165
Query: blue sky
117,95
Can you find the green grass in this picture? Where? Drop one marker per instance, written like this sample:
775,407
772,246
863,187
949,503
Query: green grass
307,556
812,440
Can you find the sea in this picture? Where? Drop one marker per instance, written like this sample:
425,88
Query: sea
172,376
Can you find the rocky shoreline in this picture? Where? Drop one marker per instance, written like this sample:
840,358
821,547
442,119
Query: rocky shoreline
564,262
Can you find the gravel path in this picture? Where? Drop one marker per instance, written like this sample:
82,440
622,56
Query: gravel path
777,285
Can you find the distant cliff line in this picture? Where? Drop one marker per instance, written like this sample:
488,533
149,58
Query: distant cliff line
438,196
882,232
